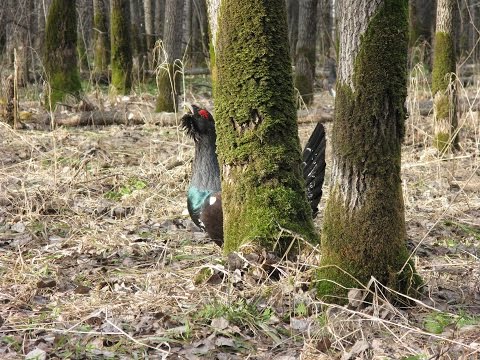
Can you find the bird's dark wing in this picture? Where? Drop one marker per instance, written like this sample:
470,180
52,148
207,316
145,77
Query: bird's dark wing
314,166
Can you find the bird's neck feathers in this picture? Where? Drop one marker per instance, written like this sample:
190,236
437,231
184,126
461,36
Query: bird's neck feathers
206,172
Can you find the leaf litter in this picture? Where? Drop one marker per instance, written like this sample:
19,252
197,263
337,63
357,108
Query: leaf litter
98,259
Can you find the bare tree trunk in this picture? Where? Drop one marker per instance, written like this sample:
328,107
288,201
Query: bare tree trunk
292,12
305,51
148,9
159,18
200,40
168,77
17,35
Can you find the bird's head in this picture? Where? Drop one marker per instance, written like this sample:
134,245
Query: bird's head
198,123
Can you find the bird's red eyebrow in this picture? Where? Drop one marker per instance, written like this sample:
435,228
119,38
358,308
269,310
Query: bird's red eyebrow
204,113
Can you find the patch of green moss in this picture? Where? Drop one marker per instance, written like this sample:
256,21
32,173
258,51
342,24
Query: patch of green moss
166,97
256,127
101,38
441,141
442,107
121,51
443,61
364,228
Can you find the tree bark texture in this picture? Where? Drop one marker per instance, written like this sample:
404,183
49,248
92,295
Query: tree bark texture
60,52
17,34
364,232
101,39
149,10
168,79
305,51
443,79
200,41
263,193
121,51
159,18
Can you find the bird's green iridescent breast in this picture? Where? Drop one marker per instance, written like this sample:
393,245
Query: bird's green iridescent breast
195,200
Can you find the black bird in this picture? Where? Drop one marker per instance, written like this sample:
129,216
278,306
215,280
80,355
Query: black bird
204,200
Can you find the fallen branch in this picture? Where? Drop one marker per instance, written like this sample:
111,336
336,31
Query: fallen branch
103,118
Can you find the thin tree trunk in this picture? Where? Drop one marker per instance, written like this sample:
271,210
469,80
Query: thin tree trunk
121,52
159,18
148,9
101,40
305,51
364,233
292,12
168,79
443,79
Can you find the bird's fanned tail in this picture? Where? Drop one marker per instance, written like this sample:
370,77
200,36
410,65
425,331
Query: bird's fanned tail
314,166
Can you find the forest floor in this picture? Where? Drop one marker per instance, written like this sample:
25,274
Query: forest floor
99,260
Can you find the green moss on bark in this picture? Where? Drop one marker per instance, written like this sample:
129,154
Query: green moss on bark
364,227
121,51
258,145
166,98
101,41
443,62
60,52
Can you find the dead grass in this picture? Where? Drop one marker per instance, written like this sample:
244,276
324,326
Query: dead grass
98,259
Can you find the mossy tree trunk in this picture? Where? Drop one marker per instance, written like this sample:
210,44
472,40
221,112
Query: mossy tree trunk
257,136
421,23
305,51
101,39
60,51
364,225
168,78
443,79
121,52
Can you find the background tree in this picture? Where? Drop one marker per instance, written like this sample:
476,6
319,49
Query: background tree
421,26
257,141
60,52
364,231
84,31
443,78
168,79
101,39
292,13
18,28
305,51
159,18
149,11
137,36
200,42
121,52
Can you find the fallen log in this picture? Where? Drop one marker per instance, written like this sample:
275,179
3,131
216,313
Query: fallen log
117,117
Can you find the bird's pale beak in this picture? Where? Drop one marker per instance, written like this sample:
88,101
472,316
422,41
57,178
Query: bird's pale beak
188,108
